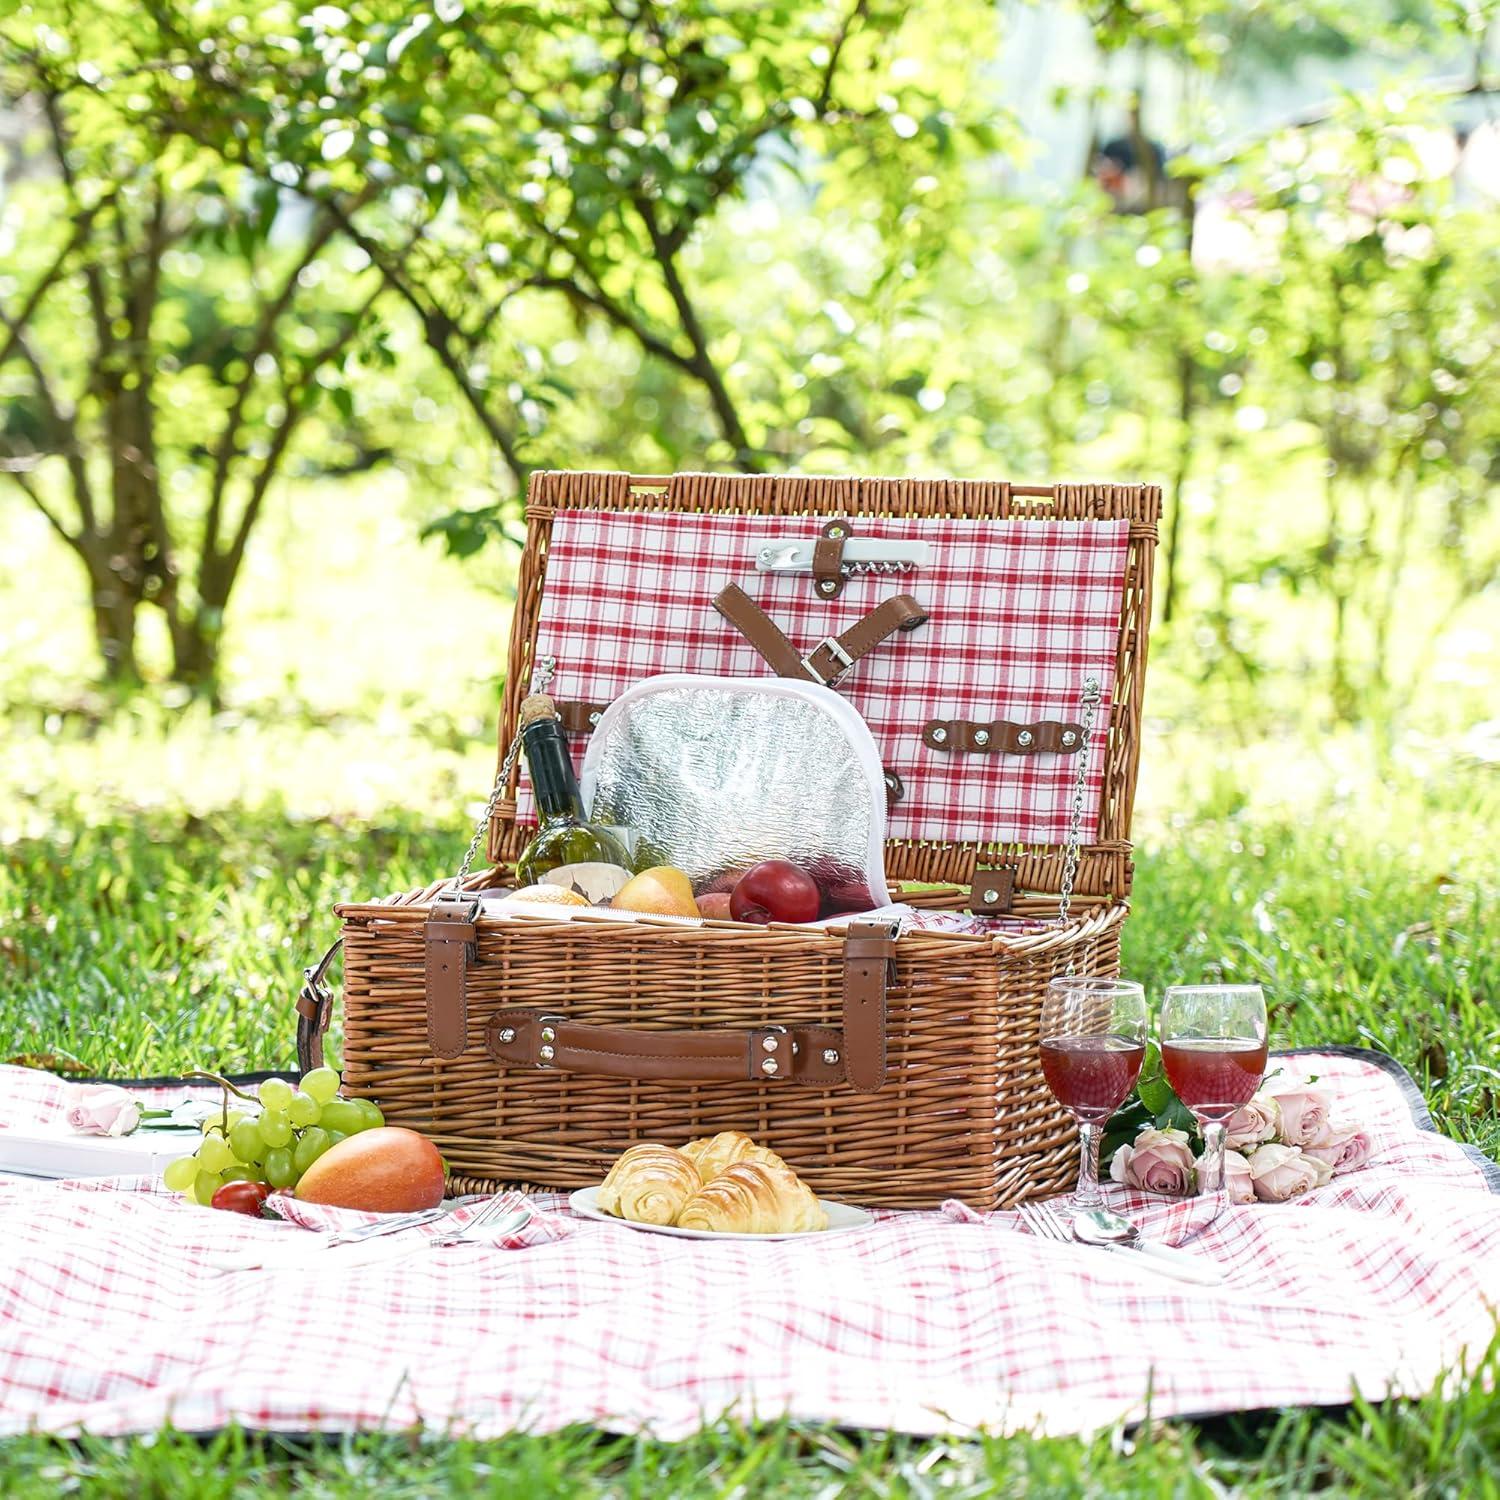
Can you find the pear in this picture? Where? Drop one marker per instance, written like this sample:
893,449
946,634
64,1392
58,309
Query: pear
658,892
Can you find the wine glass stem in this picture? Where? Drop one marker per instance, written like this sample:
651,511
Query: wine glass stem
1088,1194
1211,1173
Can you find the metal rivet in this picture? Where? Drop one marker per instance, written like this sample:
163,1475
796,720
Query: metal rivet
830,1056
769,1043
546,1054
507,1033
1024,738
828,585
548,1034
835,532
939,736
769,1065
594,717
1068,737
992,895
981,736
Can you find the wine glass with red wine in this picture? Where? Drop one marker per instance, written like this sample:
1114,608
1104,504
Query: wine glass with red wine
1213,1049
1093,1044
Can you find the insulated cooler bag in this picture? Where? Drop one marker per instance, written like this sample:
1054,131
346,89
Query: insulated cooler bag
993,638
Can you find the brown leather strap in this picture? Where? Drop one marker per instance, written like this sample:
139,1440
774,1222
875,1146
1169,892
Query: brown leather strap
314,1010
828,560
869,965
578,717
827,662
759,629
993,891
451,940
1001,737
770,1054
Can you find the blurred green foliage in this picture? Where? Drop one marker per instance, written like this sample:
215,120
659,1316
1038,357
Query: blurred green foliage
474,239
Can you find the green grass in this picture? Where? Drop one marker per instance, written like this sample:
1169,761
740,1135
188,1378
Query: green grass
1440,1446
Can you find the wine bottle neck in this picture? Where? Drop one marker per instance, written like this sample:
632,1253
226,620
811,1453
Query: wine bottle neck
553,782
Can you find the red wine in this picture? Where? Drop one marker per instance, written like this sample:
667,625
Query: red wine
1091,1075
1214,1075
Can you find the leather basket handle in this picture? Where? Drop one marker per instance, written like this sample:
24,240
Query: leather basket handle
854,1053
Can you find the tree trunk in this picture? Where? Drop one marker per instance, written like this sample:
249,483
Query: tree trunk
114,629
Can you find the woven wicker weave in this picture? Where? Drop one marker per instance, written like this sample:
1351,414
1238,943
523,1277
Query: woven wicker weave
965,1111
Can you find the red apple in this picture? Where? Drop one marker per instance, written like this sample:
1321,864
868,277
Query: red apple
775,890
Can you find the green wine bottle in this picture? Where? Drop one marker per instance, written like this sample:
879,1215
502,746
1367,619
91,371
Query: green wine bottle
568,850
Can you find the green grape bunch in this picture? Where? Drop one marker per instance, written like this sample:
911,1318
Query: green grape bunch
294,1127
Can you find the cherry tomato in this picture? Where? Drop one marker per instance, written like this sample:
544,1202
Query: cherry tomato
241,1197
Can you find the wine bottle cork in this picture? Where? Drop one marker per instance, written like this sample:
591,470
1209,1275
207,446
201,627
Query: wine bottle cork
537,706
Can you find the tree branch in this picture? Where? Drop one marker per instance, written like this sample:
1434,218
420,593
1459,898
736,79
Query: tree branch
298,404
17,324
53,520
825,94
98,303
271,312
703,367
619,315
438,328
63,425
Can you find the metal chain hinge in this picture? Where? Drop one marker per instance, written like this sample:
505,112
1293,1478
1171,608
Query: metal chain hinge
541,680
1089,702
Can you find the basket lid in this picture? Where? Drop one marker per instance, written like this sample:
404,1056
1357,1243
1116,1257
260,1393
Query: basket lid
1022,593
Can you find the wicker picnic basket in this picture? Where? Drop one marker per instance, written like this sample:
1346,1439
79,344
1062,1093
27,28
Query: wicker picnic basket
534,1050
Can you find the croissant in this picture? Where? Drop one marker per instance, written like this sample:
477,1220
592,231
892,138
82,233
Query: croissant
711,1154
754,1197
649,1184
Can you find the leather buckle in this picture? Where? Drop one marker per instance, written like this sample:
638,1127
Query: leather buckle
831,645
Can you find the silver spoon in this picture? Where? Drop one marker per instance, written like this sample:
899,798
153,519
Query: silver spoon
1099,1226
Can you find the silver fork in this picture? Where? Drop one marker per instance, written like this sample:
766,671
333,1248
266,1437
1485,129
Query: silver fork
506,1206
1044,1221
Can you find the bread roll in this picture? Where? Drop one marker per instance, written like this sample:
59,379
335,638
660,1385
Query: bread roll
649,1184
754,1197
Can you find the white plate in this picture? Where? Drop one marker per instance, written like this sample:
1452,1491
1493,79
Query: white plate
841,1218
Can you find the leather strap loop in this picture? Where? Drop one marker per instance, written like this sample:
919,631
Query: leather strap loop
768,1054
579,717
869,965
993,890
828,560
1002,737
452,943
828,661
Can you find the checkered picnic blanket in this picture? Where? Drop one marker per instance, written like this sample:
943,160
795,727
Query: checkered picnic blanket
110,1322
1019,613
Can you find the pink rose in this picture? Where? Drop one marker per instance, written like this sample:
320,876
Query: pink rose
1237,1180
102,1109
1304,1112
1160,1162
1282,1172
1343,1147
1252,1123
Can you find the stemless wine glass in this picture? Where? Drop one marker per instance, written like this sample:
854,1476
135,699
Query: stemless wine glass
1093,1043
1213,1048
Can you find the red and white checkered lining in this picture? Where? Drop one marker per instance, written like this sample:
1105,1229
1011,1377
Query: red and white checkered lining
1021,612
110,1322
